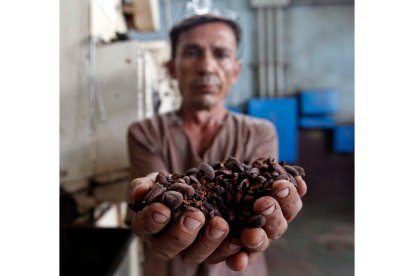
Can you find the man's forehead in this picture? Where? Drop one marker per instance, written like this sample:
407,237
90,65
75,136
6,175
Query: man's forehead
215,32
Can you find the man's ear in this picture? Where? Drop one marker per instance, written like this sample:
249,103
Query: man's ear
237,70
170,66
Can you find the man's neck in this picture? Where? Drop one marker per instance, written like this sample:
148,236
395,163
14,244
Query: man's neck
204,118
202,126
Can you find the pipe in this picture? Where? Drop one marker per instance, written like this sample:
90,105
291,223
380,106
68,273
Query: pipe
149,83
92,100
101,105
140,111
270,53
279,62
167,14
261,52
144,84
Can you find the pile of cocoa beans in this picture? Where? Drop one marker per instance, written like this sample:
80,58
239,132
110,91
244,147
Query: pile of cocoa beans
227,189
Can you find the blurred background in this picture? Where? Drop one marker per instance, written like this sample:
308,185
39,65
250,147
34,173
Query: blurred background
298,72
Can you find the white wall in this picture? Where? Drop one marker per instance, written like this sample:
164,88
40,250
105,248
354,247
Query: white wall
83,155
75,157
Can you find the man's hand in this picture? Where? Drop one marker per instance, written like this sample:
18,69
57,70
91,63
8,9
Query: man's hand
180,237
278,211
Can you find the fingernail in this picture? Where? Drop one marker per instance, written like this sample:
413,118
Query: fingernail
283,193
233,246
215,233
256,245
191,224
159,217
268,211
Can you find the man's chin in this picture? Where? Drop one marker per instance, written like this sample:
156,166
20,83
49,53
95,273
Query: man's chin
205,104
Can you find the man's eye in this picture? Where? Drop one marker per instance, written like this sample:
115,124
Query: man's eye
222,54
190,53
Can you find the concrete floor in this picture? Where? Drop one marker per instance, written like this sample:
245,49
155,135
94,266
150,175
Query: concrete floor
320,241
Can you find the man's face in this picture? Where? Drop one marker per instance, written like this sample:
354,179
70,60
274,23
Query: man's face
205,65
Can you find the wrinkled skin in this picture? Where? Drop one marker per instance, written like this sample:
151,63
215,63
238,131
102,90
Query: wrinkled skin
213,247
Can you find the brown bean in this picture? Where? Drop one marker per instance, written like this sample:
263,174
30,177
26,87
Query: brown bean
233,163
300,170
162,178
261,179
283,176
191,171
154,193
291,170
277,167
184,188
254,172
206,170
256,221
172,199
193,179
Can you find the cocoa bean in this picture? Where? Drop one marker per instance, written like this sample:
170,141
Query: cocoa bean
172,199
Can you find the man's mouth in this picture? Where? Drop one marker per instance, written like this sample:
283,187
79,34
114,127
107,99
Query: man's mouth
207,81
205,86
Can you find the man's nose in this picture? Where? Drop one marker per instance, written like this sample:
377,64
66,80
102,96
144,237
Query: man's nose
207,63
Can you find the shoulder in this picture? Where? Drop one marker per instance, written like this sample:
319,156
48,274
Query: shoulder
152,124
257,136
249,123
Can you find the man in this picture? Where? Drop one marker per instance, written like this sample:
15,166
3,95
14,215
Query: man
204,62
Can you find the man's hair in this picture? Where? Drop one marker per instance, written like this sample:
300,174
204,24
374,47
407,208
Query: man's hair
198,20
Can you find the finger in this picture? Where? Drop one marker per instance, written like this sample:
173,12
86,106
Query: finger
151,220
288,198
276,224
302,187
229,247
254,239
180,235
238,261
136,192
139,187
216,231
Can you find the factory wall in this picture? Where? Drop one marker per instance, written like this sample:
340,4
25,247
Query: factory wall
320,53
318,49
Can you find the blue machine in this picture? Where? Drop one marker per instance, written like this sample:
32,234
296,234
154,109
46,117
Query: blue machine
316,122
318,102
317,108
343,139
282,112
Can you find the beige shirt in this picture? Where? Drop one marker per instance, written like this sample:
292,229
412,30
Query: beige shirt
160,143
